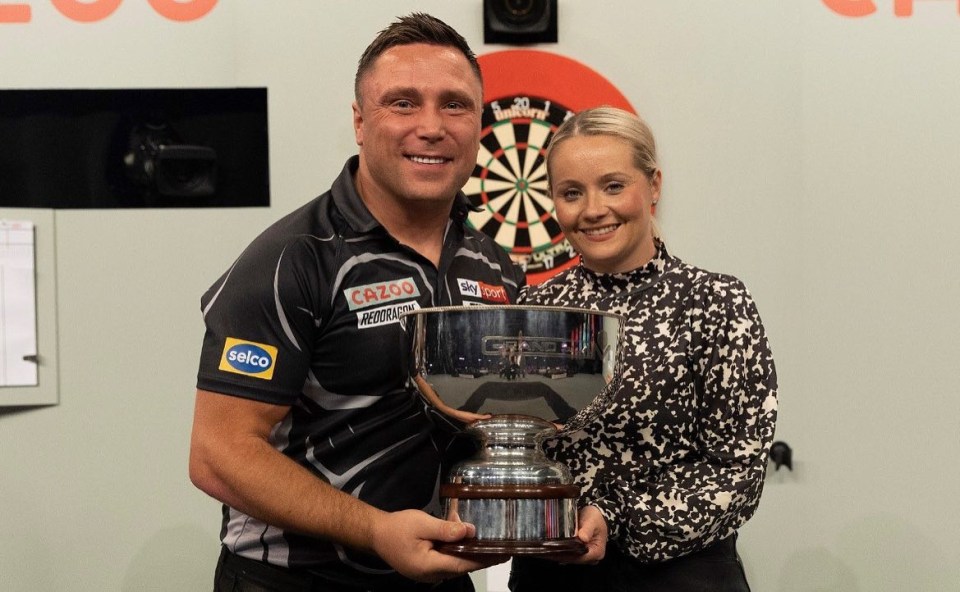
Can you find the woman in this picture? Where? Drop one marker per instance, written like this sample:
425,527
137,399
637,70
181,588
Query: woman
675,462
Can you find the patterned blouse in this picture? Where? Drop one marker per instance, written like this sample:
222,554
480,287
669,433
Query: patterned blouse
676,458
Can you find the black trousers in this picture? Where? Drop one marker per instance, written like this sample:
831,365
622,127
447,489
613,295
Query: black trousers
239,574
714,569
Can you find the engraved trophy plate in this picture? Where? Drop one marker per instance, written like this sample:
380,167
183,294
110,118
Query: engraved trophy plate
531,371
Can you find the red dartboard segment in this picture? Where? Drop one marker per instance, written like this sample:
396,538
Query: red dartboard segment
528,94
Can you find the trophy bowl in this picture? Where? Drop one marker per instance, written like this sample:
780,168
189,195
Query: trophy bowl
517,375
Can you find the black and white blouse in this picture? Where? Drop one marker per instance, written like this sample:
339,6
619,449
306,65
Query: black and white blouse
676,459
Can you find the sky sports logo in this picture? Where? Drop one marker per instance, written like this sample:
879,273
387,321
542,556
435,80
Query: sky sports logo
485,292
248,358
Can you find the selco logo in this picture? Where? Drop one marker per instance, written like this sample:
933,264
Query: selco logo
486,292
248,358
380,293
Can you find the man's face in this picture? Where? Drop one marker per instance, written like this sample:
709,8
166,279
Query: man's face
417,125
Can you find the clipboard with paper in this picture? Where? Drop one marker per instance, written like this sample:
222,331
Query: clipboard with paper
18,304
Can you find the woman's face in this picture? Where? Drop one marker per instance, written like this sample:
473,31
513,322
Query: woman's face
603,202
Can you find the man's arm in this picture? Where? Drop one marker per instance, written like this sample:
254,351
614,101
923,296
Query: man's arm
232,460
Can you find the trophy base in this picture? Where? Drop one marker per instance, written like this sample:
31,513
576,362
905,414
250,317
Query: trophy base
547,548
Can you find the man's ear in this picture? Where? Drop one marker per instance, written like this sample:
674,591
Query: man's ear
357,124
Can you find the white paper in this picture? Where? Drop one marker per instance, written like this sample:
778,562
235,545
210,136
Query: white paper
498,577
18,304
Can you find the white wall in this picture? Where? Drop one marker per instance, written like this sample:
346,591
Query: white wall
813,155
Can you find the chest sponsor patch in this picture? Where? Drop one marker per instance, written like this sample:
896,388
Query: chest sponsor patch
380,293
383,315
248,358
485,292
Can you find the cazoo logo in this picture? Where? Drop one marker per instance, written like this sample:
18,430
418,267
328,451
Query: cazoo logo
859,8
381,293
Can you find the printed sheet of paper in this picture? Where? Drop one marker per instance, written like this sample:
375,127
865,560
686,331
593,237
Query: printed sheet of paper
18,304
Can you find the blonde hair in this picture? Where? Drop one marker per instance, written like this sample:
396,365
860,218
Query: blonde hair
617,123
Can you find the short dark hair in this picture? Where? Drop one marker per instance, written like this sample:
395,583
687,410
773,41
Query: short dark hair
417,27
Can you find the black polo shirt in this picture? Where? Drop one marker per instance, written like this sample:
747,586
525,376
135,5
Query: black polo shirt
308,317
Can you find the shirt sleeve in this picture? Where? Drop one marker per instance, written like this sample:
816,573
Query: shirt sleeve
706,492
264,306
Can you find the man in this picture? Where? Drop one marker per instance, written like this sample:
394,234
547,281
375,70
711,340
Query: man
305,425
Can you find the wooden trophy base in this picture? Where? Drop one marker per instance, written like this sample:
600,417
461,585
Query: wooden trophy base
546,548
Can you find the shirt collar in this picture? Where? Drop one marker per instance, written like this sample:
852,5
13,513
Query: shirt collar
645,274
357,215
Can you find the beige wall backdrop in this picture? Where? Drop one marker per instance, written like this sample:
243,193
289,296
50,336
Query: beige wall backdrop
811,154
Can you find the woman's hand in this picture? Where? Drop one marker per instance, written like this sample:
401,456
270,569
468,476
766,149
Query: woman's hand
592,532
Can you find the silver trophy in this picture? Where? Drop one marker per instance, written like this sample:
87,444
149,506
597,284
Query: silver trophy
517,375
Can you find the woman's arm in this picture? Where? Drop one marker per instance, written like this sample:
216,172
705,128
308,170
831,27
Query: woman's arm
704,494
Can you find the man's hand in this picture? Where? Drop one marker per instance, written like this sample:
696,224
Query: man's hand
405,540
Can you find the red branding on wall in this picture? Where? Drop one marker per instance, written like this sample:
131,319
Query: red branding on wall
859,8
97,10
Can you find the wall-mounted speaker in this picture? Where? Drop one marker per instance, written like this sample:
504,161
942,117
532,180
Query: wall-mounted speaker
519,22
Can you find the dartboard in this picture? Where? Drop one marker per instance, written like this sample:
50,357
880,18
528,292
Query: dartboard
509,183
527,95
